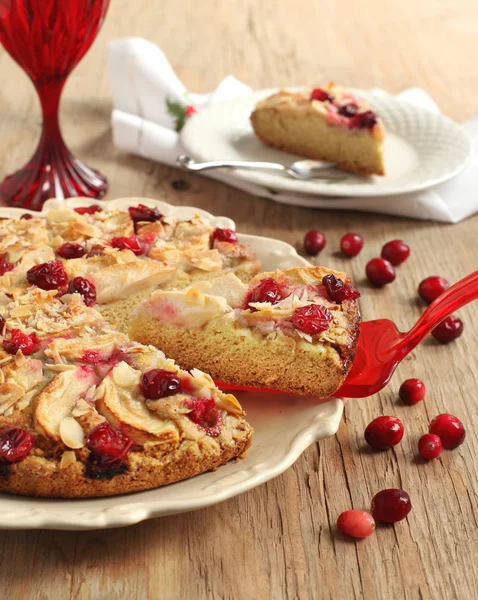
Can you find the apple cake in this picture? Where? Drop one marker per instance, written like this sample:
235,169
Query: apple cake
327,123
295,330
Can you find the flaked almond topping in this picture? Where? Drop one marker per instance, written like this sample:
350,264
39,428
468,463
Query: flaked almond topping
71,433
124,375
82,407
68,458
60,367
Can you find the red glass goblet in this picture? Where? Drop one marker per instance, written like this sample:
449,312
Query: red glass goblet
48,38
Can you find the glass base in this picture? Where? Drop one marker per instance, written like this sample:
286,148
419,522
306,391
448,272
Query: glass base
51,173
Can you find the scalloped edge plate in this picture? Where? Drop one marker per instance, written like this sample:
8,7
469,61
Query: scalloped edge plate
284,427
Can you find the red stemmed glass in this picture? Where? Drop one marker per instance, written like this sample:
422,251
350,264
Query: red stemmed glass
48,38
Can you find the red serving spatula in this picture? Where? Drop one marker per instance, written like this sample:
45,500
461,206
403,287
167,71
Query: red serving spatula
381,346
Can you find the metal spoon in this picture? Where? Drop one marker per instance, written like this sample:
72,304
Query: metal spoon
301,169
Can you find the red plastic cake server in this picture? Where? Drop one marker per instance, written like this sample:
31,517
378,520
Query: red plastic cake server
381,346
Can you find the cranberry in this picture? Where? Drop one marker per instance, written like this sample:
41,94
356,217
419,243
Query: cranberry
224,235
379,271
69,250
391,505
26,216
80,285
311,319
5,265
430,446
384,432
449,429
88,210
314,242
351,244
268,290
348,110
2,324
190,110
396,252
158,383
448,330
432,287
48,276
339,291
21,341
364,120
412,391
15,445
110,443
144,213
205,415
128,243
321,95
356,523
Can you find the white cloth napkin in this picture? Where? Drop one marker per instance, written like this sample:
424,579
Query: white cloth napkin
149,103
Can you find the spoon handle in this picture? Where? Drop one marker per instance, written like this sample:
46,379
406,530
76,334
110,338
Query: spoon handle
189,164
459,294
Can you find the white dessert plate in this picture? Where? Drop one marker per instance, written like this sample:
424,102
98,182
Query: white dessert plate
284,427
421,148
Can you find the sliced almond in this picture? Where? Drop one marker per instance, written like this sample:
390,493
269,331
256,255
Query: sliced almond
10,394
71,433
125,376
68,458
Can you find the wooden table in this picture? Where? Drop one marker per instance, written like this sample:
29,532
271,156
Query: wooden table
280,540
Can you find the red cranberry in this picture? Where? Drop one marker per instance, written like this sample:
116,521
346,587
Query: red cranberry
128,243
144,213
205,415
351,244
15,445
364,120
384,432
356,523
396,252
348,110
321,95
110,443
88,210
21,341
48,276
314,242
69,250
448,330
379,271
5,265
190,110
412,391
268,290
337,290
224,235
432,287
449,429
158,383
26,216
80,285
430,446
391,505
311,319
2,324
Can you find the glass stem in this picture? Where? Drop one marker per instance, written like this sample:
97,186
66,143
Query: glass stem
49,94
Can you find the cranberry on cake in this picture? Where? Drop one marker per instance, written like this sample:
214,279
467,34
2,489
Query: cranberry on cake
295,330
327,123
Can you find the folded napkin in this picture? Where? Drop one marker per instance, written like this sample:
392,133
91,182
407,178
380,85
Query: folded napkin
150,105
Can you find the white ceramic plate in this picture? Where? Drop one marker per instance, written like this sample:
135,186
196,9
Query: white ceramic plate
421,148
284,427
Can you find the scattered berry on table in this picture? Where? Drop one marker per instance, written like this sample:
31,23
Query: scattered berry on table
396,252
430,446
351,244
356,523
449,429
432,287
412,391
391,505
380,271
448,330
314,242
384,432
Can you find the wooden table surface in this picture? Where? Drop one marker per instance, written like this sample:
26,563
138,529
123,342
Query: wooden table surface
280,540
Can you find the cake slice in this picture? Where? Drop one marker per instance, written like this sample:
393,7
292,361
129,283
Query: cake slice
324,124
294,330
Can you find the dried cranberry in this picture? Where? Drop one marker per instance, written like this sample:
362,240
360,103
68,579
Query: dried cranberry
88,210
348,110
158,383
205,415
144,213
110,443
268,290
2,324
21,341
311,319
356,523
412,391
314,242
128,243
224,235
337,290
26,216
384,432
80,285
430,446
48,276
449,429
351,244
364,120
391,505
15,445
396,252
432,287
448,330
321,95
5,265
379,271
69,250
